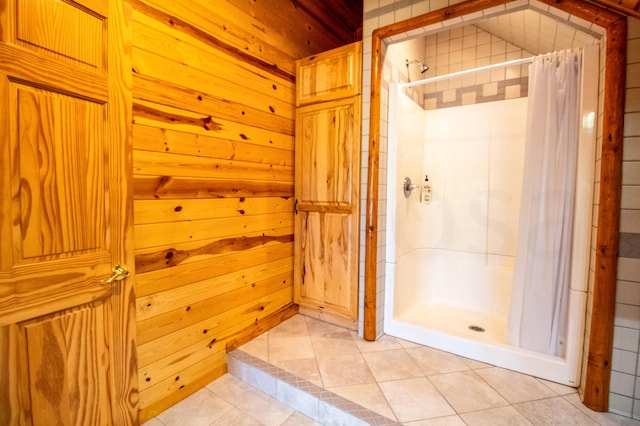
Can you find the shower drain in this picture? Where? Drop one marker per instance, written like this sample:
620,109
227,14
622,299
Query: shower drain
476,328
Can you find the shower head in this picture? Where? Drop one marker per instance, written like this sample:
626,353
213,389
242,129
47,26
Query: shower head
423,68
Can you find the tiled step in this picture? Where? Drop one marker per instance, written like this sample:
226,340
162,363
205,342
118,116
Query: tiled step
324,406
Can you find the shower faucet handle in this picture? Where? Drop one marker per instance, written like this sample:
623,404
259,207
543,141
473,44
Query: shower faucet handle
407,186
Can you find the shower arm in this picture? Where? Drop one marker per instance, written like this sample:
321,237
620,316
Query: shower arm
423,68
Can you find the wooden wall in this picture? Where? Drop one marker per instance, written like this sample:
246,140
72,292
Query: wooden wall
213,135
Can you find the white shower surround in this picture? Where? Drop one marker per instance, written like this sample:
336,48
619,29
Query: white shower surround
440,283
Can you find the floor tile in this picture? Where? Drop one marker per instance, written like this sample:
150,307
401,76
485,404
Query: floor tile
515,387
305,368
369,396
432,361
153,422
392,365
383,343
336,366
415,399
335,343
407,343
344,371
201,409
294,326
558,388
604,419
265,408
258,347
503,416
231,389
236,417
285,347
317,328
553,411
439,421
299,419
475,365
466,391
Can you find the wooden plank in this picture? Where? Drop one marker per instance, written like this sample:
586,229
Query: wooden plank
154,66
158,234
220,33
197,101
213,265
344,19
172,366
256,329
199,355
215,327
627,7
174,389
158,211
164,140
165,187
182,317
156,37
170,164
192,294
166,117
168,256
290,26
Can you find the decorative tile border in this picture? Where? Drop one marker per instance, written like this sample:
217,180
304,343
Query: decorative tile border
488,92
629,245
310,399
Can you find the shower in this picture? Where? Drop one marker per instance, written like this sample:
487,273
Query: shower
423,68
450,260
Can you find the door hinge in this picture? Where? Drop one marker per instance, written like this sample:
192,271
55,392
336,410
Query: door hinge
295,206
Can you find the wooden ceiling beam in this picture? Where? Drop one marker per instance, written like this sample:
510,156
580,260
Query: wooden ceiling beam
627,7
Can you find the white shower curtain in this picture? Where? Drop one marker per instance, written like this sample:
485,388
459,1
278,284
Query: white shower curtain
540,293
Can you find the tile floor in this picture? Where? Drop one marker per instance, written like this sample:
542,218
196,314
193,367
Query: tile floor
400,380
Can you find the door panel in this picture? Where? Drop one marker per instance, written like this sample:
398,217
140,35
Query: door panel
328,262
67,333
327,194
68,367
58,148
327,154
47,27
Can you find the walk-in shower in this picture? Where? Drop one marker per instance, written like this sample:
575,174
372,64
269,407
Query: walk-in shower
450,257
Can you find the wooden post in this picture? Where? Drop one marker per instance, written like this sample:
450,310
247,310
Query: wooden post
596,385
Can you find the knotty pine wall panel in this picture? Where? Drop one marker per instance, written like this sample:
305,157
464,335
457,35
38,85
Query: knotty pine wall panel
213,133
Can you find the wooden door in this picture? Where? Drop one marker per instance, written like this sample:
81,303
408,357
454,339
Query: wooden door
67,333
327,199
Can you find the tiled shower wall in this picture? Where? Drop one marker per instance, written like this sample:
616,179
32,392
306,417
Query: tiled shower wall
625,386
470,47
625,383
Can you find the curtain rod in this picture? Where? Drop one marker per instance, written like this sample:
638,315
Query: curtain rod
457,73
